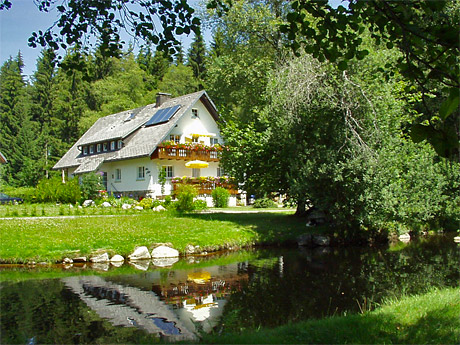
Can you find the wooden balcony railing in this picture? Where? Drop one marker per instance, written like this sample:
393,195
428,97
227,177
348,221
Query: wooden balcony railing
185,154
206,187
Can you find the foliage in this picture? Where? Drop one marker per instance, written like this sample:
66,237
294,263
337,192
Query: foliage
53,190
106,20
148,203
264,203
200,205
91,184
28,194
184,195
220,197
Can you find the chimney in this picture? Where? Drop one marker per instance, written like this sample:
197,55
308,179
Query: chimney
161,98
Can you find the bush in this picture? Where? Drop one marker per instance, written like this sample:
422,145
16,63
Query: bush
185,194
91,184
220,197
53,190
148,203
264,203
25,193
200,205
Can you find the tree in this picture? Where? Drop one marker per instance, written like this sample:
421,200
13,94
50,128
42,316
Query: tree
178,81
18,134
107,19
425,32
196,58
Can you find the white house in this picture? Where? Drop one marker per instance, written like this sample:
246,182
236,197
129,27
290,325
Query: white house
148,150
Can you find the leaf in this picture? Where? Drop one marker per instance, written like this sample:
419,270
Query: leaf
449,105
343,65
420,132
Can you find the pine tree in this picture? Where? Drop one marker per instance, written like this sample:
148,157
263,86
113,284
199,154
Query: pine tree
197,58
18,133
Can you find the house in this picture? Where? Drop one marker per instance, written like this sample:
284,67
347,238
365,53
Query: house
149,150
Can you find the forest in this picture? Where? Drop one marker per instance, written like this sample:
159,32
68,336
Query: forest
365,131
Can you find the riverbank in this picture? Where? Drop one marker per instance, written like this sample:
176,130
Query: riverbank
51,239
423,319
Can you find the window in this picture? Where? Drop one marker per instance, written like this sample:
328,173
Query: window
91,149
120,144
195,139
98,148
194,113
175,138
105,146
214,141
118,175
168,169
85,150
196,172
140,173
220,172
112,145
213,154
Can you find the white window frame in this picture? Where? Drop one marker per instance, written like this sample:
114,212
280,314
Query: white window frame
175,138
220,172
91,149
85,150
98,148
214,141
195,114
141,173
105,147
117,175
119,144
169,170
112,145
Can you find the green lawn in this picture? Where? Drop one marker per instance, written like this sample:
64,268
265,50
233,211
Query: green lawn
52,239
432,318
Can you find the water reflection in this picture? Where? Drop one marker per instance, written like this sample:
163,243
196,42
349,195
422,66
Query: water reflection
267,288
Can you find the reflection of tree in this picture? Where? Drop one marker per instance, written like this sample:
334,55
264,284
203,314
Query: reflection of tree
51,314
321,284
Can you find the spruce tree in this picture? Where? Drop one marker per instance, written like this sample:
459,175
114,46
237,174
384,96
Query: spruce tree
197,58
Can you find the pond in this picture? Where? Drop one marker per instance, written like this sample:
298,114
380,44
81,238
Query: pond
232,291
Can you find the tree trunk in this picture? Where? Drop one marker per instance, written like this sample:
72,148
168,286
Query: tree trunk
301,211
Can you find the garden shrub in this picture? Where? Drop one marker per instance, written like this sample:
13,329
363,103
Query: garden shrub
53,190
220,197
185,194
264,203
200,204
91,184
25,193
148,203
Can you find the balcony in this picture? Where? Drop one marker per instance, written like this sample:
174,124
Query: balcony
206,184
187,152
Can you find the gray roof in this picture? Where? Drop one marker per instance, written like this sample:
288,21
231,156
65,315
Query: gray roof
138,140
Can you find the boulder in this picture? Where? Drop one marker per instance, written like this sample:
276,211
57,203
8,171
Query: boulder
159,208
67,261
305,240
141,265
191,249
164,252
117,258
88,203
106,204
126,206
321,240
140,253
139,208
80,259
100,258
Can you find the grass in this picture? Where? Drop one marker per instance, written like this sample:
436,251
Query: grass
51,239
425,319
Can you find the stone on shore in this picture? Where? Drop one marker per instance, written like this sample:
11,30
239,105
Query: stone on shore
106,204
159,208
126,206
88,203
164,252
117,258
100,258
140,253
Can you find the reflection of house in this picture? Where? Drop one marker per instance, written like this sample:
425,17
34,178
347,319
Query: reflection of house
133,149
129,307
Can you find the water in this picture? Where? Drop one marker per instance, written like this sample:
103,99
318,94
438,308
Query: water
266,287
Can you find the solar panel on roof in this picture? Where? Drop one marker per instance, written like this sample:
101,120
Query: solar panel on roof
162,115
